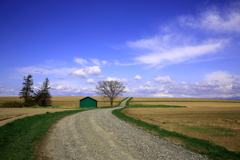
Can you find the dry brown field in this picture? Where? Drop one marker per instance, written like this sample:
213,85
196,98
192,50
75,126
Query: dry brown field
65,103
191,104
218,122
70,101
10,114
181,99
63,98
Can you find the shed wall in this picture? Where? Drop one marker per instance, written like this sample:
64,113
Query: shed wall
88,102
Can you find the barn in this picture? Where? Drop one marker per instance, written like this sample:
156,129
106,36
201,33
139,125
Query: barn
87,102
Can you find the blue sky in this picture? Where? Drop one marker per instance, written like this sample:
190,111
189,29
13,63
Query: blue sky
169,48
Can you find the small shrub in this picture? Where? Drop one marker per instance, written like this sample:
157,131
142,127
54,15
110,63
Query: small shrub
11,104
29,103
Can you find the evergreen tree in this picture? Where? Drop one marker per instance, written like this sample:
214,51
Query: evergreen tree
43,96
27,90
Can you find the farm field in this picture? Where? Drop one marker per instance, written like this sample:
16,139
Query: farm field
191,104
10,114
70,101
64,103
218,122
149,99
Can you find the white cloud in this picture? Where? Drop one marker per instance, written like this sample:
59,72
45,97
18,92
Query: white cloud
91,81
80,61
94,70
163,79
162,95
70,89
40,70
148,84
80,73
58,87
192,38
123,80
6,91
83,73
104,62
218,84
96,61
117,63
160,56
215,20
222,76
137,77
100,76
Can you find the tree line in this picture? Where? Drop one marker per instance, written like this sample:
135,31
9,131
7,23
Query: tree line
41,97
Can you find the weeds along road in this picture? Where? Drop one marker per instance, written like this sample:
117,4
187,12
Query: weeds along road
99,135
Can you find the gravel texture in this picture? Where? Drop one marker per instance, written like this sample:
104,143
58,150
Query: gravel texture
99,135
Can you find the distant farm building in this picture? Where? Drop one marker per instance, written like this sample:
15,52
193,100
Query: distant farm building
87,102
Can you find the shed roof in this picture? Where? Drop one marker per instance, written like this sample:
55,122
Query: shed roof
88,97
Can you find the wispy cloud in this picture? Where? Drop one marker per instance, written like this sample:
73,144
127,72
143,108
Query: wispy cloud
123,80
6,91
189,38
159,54
213,19
223,77
163,80
41,70
81,61
117,63
98,62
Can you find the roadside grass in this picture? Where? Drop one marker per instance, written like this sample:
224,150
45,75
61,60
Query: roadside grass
18,138
153,106
200,146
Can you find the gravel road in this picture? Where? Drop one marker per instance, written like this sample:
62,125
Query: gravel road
99,135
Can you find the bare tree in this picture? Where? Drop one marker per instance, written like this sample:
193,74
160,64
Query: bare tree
110,89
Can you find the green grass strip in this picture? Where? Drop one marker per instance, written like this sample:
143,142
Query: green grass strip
18,138
200,146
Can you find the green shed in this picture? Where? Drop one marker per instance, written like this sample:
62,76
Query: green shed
87,102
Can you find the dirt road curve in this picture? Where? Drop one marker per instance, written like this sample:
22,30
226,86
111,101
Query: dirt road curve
99,135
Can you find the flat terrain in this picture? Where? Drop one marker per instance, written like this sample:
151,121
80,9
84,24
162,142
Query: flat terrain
64,103
218,122
10,114
70,101
97,134
192,104
181,100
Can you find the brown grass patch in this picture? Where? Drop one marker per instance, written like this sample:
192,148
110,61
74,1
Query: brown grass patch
10,114
220,125
70,101
64,103
181,99
191,104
